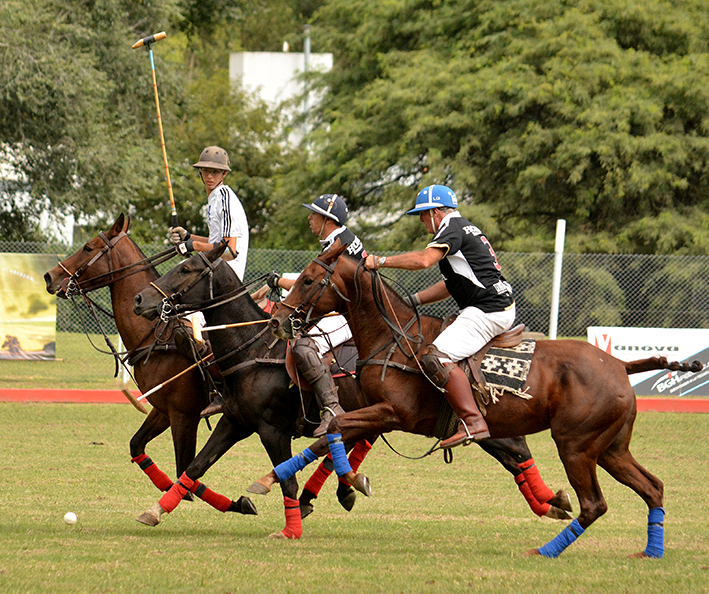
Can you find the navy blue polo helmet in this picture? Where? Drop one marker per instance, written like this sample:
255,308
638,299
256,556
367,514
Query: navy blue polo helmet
331,206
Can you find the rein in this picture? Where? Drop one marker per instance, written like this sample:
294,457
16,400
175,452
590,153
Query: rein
76,287
170,306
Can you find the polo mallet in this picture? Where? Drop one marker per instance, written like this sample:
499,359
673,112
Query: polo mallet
148,42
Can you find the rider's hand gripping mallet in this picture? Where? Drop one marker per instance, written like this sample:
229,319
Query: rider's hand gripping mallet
147,42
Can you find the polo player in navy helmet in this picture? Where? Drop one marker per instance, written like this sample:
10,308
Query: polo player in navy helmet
327,221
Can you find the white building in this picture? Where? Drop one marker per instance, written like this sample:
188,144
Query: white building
275,76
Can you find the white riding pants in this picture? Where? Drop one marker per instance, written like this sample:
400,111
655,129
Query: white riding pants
471,331
337,330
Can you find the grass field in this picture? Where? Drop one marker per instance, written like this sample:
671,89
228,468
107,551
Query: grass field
428,528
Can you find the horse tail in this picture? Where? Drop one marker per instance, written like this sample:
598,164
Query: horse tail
652,363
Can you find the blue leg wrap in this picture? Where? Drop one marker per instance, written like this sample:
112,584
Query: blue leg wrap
339,456
287,469
655,532
555,547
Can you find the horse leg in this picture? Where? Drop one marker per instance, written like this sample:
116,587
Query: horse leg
514,455
355,425
622,466
277,445
346,495
155,424
225,435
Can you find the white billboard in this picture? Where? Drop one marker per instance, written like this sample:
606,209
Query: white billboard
677,344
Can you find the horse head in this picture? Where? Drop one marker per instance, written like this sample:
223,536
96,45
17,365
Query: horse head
91,266
185,287
313,295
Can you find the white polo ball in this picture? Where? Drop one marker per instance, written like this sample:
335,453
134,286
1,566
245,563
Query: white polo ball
70,518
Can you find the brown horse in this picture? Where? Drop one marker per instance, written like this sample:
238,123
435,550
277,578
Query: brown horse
112,259
578,391
257,393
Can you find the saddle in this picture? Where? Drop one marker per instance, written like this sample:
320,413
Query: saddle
447,422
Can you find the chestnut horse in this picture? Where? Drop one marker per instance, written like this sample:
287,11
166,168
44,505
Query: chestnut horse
203,280
578,391
112,259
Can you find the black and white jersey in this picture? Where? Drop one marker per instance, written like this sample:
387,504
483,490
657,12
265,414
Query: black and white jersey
355,249
469,267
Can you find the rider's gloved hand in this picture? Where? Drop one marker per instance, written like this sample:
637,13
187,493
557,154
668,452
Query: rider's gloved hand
185,247
178,235
272,280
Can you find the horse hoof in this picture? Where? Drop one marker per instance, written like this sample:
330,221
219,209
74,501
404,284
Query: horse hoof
562,500
556,513
640,555
348,499
277,536
259,488
305,510
150,517
533,553
361,483
245,506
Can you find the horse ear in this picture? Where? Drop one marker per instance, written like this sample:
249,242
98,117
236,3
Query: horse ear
333,253
216,251
118,226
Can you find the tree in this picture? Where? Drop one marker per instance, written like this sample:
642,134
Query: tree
593,111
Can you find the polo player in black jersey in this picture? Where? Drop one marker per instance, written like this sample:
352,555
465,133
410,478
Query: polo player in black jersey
327,221
473,277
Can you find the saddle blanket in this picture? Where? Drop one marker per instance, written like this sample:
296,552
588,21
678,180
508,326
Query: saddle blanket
507,368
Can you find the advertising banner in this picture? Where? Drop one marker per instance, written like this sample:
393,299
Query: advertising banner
28,314
677,344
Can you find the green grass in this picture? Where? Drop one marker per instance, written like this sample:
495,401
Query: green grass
428,528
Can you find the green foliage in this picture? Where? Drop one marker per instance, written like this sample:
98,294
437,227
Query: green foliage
596,112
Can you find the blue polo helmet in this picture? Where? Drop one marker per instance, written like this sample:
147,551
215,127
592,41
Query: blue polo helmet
331,206
434,197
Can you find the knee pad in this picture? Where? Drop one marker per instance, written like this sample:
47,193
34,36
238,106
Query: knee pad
307,359
435,371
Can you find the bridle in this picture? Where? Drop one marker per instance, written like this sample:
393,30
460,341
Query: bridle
298,323
171,305
72,286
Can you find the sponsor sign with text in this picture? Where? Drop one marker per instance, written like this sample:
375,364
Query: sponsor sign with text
677,344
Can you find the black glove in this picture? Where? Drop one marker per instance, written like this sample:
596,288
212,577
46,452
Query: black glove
272,280
185,247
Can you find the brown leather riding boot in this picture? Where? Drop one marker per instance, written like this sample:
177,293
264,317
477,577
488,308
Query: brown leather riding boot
460,396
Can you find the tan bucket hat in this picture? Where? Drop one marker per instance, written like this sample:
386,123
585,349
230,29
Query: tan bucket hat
213,157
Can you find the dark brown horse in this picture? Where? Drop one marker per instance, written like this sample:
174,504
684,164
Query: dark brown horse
578,391
258,397
112,259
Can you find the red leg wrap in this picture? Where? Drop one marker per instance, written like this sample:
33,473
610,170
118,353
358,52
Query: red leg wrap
217,501
538,508
179,489
359,453
294,525
534,479
318,479
157,476
357,456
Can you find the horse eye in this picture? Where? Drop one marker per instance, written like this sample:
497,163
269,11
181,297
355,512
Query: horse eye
88,248
308,281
